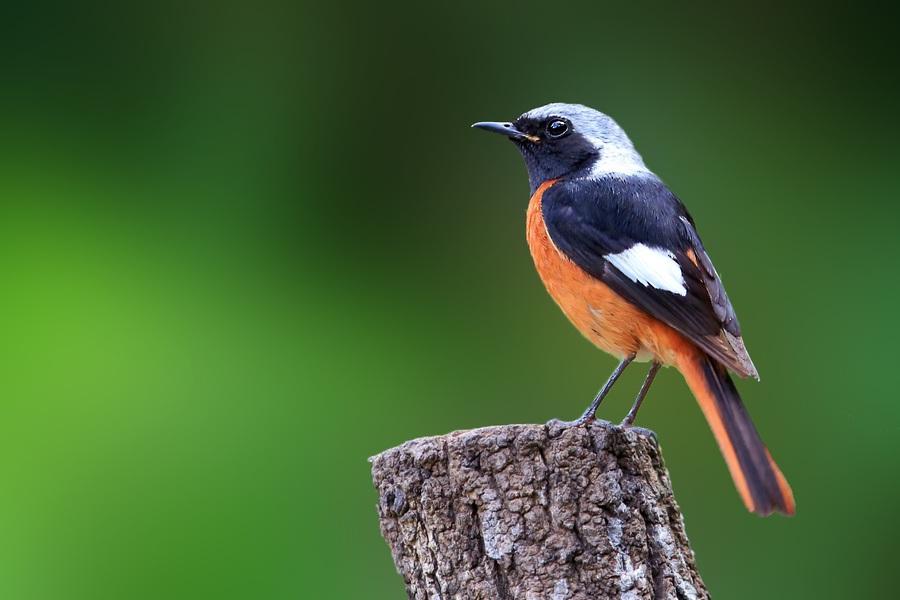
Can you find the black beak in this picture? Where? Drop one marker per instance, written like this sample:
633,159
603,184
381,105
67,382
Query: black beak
507,129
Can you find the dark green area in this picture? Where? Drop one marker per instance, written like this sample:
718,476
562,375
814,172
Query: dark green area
244,248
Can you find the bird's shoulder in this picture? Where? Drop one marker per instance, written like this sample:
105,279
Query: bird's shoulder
629,209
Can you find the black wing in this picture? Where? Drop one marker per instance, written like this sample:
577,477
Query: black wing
588,220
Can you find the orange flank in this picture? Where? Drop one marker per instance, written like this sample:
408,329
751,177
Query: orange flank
605,318
622,329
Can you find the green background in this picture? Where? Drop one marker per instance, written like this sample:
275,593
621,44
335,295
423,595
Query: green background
243,248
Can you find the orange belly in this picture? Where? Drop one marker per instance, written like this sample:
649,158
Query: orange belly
609,321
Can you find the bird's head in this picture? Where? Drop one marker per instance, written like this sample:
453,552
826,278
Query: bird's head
570,140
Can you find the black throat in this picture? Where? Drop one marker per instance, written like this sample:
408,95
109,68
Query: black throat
572,156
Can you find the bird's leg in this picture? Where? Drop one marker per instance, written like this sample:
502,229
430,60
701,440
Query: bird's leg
589,413
651,375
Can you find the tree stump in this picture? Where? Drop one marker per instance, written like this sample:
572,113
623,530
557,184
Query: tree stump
535,512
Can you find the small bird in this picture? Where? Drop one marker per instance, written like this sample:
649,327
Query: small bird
620,255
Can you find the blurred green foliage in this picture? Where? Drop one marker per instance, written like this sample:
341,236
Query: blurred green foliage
242,248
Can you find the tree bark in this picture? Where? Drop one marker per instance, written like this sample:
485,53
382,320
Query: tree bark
535,512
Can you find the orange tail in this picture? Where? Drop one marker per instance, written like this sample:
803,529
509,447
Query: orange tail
756,476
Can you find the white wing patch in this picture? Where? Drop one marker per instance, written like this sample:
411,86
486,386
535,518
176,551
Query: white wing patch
655,267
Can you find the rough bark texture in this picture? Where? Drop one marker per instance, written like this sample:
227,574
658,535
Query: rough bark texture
535,512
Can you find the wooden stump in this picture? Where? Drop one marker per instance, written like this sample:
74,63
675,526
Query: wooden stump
535,512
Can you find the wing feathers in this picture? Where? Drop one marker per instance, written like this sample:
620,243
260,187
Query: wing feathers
638,238
654,267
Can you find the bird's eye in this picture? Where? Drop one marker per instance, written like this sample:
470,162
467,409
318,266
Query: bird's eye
557,128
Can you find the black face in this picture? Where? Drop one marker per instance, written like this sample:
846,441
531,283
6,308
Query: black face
552,148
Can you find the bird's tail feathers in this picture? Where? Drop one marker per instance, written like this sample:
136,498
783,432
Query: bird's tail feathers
758,479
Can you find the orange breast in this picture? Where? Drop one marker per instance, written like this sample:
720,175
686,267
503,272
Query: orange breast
609,321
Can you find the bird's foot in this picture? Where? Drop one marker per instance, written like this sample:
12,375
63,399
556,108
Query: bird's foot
582,420
639,430
628,421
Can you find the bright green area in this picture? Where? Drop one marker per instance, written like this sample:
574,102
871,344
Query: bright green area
243,249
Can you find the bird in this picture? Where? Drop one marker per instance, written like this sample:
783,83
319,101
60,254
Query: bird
620,254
